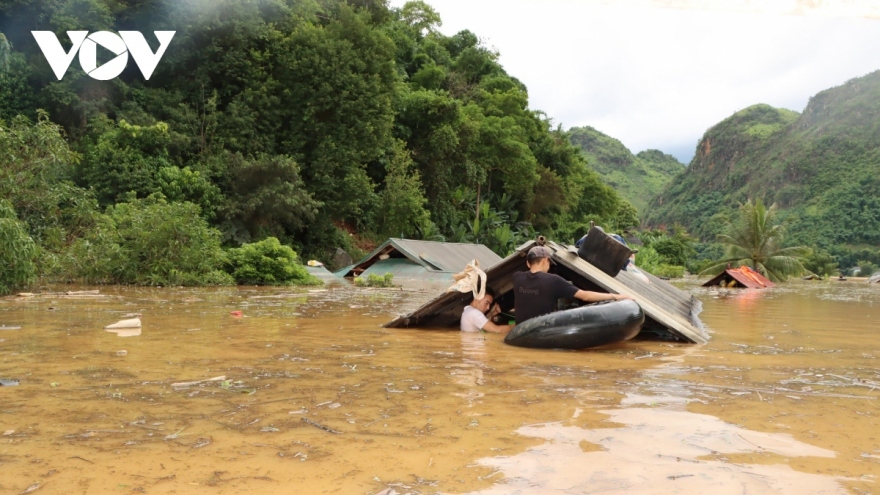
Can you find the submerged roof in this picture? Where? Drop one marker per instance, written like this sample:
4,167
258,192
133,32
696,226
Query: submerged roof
745,277
320,271
434,258
669,311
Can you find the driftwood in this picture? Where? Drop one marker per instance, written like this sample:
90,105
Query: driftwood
71,294
319,425
189,384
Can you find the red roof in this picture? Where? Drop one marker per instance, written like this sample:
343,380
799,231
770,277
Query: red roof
744,275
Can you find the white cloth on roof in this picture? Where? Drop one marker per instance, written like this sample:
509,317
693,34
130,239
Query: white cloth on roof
469,279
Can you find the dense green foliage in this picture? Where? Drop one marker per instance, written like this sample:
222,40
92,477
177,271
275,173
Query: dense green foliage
268,263
149,242
323,124
17,251
821,167
753,238
637,178
665,254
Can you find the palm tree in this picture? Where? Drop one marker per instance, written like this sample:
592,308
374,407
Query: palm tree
753,239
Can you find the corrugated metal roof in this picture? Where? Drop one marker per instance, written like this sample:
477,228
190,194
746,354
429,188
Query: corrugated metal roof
320,271
666,307
447,256
436,257
402,268
745,277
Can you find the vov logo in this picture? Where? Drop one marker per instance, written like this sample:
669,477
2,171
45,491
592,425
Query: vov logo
86,44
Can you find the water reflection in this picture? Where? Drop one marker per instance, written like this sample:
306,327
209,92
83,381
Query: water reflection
469,373
124,332
656,450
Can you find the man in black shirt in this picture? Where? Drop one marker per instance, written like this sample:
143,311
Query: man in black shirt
536,291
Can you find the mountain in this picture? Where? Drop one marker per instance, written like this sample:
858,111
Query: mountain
637,178
822,168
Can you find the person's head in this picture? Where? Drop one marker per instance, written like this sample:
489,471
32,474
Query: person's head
486,302
538,259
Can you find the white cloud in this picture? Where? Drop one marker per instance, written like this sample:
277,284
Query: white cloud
659,77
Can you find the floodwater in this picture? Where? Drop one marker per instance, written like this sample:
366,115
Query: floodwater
315,397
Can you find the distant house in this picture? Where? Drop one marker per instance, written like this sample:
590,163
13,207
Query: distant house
428,260
740,277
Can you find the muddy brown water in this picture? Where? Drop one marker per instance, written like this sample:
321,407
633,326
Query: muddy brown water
318,398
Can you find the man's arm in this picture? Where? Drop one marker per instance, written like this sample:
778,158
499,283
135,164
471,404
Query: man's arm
491,327
589,296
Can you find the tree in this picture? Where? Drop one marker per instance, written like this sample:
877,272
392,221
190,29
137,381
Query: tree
402,201
753,239
421,17
35,161
265,196
5,52
17,251
126,158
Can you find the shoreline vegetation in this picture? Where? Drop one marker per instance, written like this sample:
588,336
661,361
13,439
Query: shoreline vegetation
326,126
276,131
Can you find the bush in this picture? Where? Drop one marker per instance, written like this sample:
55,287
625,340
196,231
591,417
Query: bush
651,261
17,251
821,263
149,242
867,268
268,262
669,271
374,280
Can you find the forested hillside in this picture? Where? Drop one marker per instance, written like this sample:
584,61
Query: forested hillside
637,178
822,167
325,124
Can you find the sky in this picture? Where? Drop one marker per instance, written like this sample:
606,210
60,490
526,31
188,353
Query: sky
656,74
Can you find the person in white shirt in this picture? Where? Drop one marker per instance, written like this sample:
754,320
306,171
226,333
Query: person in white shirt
474,318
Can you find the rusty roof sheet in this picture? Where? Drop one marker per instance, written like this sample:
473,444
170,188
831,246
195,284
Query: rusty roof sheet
744,275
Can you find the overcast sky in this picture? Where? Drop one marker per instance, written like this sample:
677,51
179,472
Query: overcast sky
654,76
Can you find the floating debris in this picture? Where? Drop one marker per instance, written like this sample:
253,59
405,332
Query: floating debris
32,488
71,294
174,435
196,382
318,425
131,323
4,327
201,442
8,382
